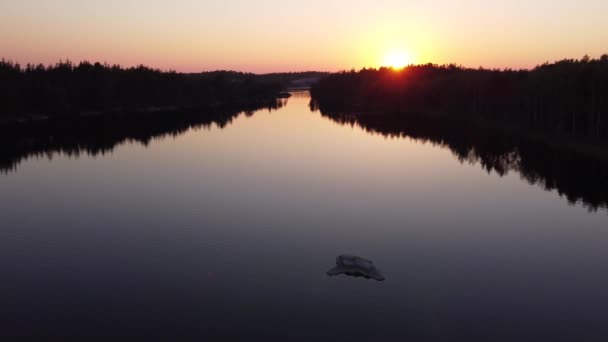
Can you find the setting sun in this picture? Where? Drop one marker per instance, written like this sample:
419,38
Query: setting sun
397,59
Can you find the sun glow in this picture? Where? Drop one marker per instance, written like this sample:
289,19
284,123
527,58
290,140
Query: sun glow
397,59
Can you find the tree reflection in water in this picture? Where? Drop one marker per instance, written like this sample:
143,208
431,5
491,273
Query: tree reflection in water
100,135
577,174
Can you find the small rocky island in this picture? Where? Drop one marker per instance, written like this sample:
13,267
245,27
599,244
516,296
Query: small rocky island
355,266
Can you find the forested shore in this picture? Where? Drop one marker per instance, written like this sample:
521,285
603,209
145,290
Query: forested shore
549,124
34,93
566,97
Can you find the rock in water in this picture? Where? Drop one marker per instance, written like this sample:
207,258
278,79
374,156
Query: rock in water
355,266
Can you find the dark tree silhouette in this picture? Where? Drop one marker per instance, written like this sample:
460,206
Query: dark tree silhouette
549,123
569,96
36,92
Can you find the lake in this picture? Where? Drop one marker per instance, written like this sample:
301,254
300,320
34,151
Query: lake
226,232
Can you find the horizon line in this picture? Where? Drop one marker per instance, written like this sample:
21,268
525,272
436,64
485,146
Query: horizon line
167,70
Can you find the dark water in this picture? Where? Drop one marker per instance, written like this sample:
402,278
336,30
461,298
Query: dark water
226,234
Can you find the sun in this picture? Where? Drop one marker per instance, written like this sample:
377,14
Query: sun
397,59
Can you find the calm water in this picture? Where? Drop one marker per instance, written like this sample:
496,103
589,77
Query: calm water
226,233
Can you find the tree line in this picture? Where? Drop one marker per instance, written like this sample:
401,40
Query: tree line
67,89
569,96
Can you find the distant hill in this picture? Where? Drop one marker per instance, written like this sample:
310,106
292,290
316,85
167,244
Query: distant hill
287,80
295,80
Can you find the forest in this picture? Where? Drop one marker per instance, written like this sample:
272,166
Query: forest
568,97
65,89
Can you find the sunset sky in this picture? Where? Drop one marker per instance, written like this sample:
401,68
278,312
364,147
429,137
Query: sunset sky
329,35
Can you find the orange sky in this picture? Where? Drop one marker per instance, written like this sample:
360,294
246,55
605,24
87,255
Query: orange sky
272,35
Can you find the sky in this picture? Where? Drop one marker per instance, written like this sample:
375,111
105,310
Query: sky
329,35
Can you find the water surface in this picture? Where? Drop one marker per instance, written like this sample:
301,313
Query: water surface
227,232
